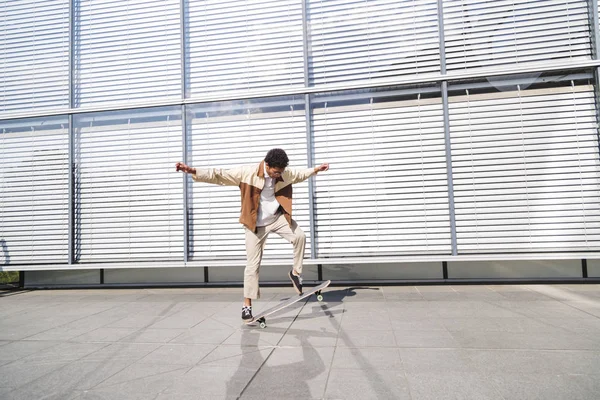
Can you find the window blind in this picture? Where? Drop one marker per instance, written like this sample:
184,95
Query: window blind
35,55
128,195
227,135
34,191
526,170
127,51
517,32
242,45
386,192
366,40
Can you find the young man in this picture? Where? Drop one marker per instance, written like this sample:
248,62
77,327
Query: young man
266,191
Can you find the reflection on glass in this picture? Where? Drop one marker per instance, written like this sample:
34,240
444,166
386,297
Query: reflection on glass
128,195
34,194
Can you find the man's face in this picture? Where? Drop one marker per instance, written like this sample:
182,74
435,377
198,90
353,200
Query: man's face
274,172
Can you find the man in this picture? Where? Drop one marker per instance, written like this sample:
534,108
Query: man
266,192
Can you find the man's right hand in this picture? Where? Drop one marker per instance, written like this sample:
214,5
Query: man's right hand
182,167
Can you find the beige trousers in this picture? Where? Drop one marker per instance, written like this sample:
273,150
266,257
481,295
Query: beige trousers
255,243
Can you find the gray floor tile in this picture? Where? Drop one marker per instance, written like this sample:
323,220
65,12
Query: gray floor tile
65,352
204,336
420,324
104,335
255,336
319,337
367,358
424,361
19,373
210,382
473,309
183,354
135,386
136,321
366,339
486,324
142,372
363,384
237,356
23,348
121,352
508,340
591,307
399,310
547,387
63,332
367,322
441,386
439,339
74,377
576,325
292,373
149,335
536,361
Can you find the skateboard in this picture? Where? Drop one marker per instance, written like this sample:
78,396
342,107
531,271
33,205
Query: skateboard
260,318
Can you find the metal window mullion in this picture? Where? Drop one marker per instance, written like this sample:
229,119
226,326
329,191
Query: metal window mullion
184,126
595,42
182,43
305,41
309,133
447,142
442,37
311,182
71,132
184,94
594,28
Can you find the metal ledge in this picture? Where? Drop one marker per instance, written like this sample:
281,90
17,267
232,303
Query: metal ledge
412,80
316,261
339,283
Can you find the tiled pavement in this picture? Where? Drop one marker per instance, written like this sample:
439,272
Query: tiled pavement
390,342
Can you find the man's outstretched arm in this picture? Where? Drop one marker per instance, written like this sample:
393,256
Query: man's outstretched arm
218,176
299,175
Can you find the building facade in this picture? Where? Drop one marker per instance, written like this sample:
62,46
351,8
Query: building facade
462,136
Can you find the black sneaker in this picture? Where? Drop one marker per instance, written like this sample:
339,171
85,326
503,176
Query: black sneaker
296,281
247,313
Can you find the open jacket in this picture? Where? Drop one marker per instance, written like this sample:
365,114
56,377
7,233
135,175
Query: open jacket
251,181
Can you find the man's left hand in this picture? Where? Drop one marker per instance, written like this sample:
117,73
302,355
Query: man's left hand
322,167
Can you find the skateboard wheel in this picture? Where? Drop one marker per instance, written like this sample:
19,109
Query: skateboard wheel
320,297
262,323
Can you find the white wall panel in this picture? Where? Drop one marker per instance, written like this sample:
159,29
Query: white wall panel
526,170
242,45
386,192
358,40
34,191
127,51
128,194
226,135
34,44
514,32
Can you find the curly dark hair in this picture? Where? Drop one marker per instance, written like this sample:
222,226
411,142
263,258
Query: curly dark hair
276,158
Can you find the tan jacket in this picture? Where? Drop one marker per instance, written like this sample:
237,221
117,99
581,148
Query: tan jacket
251,181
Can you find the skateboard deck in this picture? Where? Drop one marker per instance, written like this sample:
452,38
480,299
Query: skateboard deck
260,317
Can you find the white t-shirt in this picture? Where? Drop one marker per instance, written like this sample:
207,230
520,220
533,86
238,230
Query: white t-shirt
269,206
